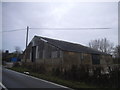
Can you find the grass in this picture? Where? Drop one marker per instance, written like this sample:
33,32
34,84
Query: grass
55,79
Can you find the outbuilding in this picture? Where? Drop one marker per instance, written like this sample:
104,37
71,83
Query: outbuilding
58,53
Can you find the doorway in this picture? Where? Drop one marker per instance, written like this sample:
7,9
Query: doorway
33,53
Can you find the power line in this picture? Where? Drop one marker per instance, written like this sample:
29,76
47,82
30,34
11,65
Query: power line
68,28
56,29
13,30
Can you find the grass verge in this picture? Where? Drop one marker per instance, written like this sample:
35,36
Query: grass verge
55,79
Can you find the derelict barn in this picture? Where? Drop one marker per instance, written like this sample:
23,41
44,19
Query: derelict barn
56,53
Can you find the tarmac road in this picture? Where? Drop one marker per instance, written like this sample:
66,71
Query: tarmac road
13,79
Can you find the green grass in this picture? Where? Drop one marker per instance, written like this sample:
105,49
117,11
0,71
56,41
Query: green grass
55,79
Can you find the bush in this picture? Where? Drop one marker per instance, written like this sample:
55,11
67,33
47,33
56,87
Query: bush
80,73
40,68
16,64
57,72
34,67
76,73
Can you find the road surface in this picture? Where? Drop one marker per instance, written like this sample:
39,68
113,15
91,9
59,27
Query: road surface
12,79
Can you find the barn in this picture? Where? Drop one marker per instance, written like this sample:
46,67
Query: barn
58,53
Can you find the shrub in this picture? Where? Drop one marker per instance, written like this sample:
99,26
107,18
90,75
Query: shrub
76,73
56,71
16,64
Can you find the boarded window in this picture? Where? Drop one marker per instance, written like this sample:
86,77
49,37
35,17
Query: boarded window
54,54
47,51
95,59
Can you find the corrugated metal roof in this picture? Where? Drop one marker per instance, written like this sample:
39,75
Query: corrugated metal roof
68,46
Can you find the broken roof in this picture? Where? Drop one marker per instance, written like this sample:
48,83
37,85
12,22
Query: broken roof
68,46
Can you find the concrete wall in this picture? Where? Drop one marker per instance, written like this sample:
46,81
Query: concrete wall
46,54
73,58
70,58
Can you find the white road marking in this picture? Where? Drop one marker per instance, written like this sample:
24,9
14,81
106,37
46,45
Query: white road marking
3,86
41,79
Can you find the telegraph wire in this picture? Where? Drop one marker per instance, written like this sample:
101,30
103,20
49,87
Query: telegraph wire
68,28
55,29
13,30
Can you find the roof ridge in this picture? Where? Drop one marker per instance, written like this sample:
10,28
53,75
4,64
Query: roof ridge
63,41
71,44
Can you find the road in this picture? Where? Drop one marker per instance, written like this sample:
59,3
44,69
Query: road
0,77
12,79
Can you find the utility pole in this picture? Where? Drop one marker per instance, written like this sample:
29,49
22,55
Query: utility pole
26,43
27,36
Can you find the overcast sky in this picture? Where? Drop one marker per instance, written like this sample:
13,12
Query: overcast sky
59,15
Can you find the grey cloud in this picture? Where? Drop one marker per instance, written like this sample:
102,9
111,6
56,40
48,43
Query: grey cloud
50,14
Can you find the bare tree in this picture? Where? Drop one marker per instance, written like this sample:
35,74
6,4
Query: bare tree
94,44
102,45
117,51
